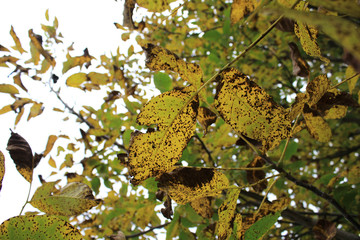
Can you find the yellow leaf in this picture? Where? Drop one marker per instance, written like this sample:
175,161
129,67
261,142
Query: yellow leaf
185,185
158,58
77,61
20,103
35,39
3,49
76,79
73,199
155,152
9,59
202,206
38,227
5,109
316,125
17,46
298,105
249,110
350,72
348,7
240,8
35,110
154,5
2,168
18,116
98,78
7,88
49,145
226,214
316,89
17,81
52,162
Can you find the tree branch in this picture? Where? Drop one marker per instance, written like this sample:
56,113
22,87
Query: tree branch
144,232
206,150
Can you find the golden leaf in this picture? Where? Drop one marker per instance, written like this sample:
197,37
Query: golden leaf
36,40
17,81
316,89
50,144
203,207
240,8
185,185
35,110
350,72
158,58
7,88
155,152
76,79
72,62
226,214
206,117
154,5
17,46
249,110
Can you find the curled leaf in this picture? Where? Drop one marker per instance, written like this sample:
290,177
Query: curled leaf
73,199
300,67
185,185
155,152
249,110
22,156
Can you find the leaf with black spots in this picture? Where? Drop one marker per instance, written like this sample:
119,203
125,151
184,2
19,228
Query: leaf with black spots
38,227
156,152
203,207
21,154
226,214
2,168
185,185
158,58
241,8
129,6
249,110
316,125
254,176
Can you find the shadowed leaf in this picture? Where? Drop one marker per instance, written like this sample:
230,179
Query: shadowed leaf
153,153
226,214
206,117
254,176
316,125
73,199
185,185
316,89
348,7
250,110
300,67
38,227
22,156
324,230
2,168
350,72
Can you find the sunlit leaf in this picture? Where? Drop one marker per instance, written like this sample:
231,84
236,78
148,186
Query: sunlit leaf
316,125
21,154
98,78
226,214
38,227
19,116
5,109
35,110
7,88
250,110
154,5
158,58
185,185
2,168
73,199
51,162
17,46
37,41
240,8
50,143
9,59
76,79
155,152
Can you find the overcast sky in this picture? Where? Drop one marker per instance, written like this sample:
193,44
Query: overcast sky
87,23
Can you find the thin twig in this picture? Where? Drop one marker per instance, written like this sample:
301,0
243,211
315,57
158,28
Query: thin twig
343,81
267,192
231,169
144,232
206,150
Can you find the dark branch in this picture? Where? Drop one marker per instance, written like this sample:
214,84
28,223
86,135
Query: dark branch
206,149
144,232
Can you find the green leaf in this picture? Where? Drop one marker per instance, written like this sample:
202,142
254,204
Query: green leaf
212,35
259,228
95,184
38,227
162,82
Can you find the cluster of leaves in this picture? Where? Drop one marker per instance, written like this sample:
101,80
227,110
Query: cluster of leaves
222,134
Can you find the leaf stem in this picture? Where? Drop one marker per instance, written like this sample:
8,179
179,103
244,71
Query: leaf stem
287,141
267,192
27,198
230,169
343,81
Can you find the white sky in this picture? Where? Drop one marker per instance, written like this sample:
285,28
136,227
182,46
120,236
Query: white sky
87,23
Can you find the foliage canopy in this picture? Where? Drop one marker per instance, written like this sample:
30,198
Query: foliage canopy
256,100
